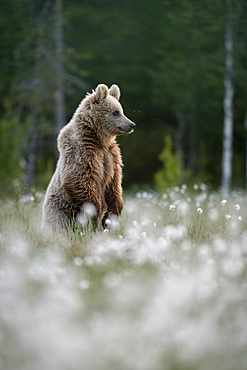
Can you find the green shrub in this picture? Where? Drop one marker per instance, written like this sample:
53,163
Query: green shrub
170,174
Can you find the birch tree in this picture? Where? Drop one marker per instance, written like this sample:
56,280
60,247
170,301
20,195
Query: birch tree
33,91
235,14
228,105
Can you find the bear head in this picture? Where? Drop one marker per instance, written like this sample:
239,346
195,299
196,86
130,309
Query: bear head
104,108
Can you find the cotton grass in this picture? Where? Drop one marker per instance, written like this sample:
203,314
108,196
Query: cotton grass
161,289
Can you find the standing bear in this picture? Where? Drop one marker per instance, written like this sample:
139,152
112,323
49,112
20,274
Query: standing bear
87,180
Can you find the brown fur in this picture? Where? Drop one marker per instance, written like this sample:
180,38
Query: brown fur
89,169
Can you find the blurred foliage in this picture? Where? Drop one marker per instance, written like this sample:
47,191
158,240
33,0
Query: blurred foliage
167,57
170,174
12,134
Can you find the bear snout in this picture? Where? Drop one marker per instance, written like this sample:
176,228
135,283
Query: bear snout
132,125
127,127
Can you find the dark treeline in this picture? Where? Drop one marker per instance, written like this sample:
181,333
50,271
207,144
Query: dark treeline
169,59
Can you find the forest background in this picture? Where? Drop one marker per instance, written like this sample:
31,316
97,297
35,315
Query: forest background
181,66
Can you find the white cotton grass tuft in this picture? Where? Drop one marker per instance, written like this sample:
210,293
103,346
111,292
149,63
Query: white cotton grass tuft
27,198
174,232
111,222
203,187
183,209
84,284
78,261
88,211
199,211
213,214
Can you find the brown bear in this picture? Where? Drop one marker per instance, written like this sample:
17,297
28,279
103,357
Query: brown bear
88,176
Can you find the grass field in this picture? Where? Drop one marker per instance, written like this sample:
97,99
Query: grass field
165,288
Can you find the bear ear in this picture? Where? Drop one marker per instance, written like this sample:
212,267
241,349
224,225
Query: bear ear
101,92
114,91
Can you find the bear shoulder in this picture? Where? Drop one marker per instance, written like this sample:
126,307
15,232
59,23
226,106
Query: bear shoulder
64,137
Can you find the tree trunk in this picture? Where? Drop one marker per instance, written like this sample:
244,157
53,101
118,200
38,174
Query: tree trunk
35,91
228,110
59,70
30,166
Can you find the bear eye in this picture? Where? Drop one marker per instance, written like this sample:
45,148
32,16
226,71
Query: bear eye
116,113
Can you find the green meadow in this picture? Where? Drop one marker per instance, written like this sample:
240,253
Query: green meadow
164,287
